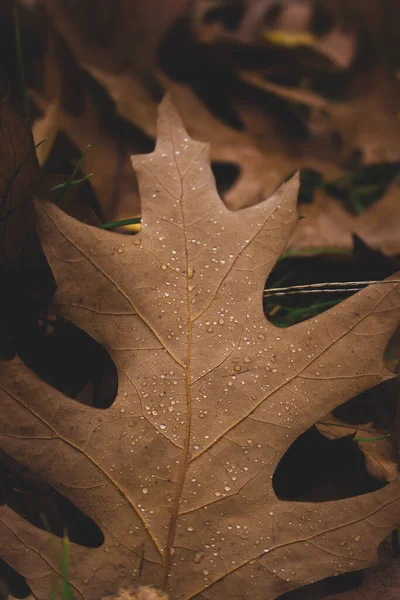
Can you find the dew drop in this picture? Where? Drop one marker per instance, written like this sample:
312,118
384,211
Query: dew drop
198,557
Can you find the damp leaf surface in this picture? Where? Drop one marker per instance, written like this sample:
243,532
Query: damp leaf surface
178,471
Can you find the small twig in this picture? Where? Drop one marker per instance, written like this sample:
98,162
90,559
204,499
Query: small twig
321,291
327,287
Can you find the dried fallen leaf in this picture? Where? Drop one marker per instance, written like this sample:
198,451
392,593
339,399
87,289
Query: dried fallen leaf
290,24
327,223
255,181
46,128
337,107
378,582
380,454
107,162
126,66
20,177
334,84
178,471
377,429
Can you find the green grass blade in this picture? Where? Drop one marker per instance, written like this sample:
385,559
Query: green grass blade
21,165
290,315
47,526
66,593
60,186
8,211
373,439
71,178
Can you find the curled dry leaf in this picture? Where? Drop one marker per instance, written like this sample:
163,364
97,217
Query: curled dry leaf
291,24
327,223
108,164
126,66
292,84
177,473
379,582
380,455
117,43
21,178
106,160
332,63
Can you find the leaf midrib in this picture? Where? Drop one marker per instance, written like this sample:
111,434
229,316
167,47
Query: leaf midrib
185,452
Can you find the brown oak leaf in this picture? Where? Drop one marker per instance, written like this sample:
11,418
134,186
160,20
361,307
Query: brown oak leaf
327,223
178,471
321,93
